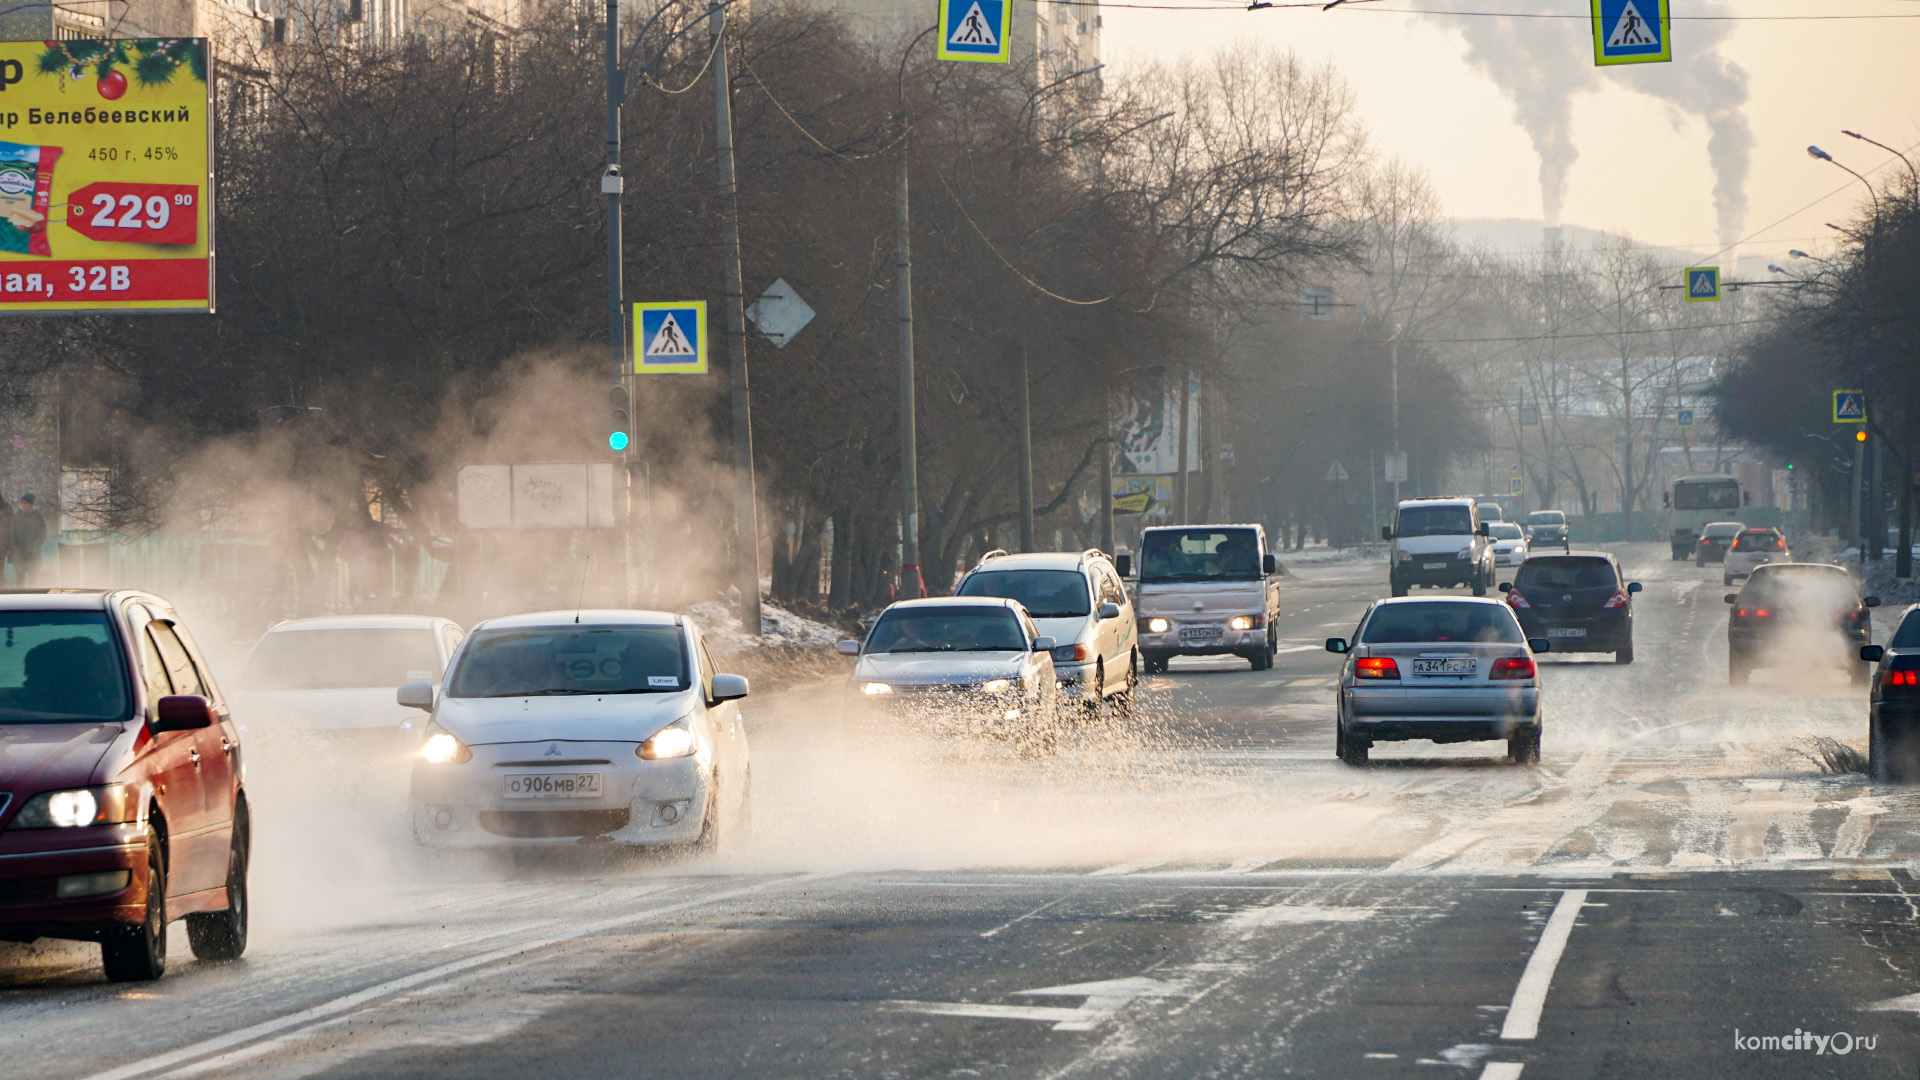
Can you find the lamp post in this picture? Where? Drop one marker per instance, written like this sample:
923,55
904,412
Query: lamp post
1860,437
1904,159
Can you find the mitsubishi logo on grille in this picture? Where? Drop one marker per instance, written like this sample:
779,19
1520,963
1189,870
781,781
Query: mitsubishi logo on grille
1566,596
553,749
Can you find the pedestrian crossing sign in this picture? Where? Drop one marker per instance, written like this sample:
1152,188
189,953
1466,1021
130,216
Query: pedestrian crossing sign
670,338
975,30
1703,283
1631,32
1849,406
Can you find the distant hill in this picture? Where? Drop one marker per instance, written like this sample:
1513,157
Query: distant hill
1522,236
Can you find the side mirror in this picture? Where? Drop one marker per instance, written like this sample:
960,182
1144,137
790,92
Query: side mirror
182,712
1269,564
1872,654
1732,598
1109,610
1871,601
847,648
729,687
1336,645
1043,644
1506,586
1539,644
1386,532
415,695
1634,586
1484,529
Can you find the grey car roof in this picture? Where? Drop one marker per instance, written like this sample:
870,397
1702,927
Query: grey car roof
1386,600
587,617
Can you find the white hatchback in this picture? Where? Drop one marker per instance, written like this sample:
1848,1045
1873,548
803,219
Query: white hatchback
562,728
1509,543
1751,549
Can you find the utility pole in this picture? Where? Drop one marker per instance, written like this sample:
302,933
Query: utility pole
619,398
911,583
1393,352
746,512
1026,456
1180,430
1106,478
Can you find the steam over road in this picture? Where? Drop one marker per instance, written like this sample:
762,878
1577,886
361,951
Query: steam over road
1677,890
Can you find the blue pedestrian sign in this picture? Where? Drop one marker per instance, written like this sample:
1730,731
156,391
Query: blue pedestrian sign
1684,418
1849,406
670,338
1703,283
1631,32
975,30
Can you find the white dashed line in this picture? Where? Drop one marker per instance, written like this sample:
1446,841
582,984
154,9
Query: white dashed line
1530,997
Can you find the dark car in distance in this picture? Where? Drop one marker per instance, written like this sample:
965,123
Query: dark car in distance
121,801
1798,614
1547,527
1579,601
1893,709
1716,539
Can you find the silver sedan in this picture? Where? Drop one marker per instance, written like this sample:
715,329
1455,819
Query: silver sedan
1449,669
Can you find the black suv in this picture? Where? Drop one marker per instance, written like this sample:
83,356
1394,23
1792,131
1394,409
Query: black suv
1579,601
1786,610
1893,712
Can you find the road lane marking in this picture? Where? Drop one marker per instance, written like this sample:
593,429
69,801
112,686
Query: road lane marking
327,1010
1022,918
1501,1070
1118,869
1530,997
1103,999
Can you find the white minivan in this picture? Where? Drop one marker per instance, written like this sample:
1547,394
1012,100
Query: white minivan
1439,543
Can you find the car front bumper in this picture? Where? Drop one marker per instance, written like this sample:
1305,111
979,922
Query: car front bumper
950,712
1171,642
33,861
641,803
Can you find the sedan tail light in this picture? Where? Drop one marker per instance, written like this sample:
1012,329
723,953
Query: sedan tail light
1757,613
1514,599
1618,599
1512,667
1376,667
1901,680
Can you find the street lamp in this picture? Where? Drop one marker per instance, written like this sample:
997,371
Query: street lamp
1821,155
1914,176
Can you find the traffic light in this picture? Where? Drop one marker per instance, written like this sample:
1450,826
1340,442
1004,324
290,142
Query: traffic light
619,419
1860,436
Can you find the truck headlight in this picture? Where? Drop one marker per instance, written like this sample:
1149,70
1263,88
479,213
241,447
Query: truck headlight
1156,626
996,686
1240,622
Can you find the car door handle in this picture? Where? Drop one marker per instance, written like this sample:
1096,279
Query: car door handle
193,755
226,747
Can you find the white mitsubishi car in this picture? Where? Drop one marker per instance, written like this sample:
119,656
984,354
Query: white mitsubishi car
1509,542
575,727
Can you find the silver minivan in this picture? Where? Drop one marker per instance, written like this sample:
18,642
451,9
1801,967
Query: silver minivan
1449,669
1076,598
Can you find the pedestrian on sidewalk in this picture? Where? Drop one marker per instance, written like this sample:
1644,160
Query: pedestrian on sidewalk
26,534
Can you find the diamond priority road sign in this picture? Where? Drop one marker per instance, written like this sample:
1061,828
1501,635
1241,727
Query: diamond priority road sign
780,313
975,31
1631,32
670,337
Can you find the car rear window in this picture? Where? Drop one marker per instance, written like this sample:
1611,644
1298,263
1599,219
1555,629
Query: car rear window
1566,573
58,666
1440,621
947,629
1801,587
1760,541
1046,594
548,661
1501,530
1434,521
1908,635
341,659
1721,528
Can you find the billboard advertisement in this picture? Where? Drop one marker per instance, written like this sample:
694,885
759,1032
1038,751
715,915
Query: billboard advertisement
1147,431
106,183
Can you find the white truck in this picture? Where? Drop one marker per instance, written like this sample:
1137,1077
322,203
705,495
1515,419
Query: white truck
1205,590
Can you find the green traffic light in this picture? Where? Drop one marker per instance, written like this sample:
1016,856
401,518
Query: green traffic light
618,440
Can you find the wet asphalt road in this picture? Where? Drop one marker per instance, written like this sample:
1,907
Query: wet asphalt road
1200,892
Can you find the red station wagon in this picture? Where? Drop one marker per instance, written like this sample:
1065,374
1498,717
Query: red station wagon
121,789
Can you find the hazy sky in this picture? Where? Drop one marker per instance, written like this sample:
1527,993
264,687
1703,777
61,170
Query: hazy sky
1643,165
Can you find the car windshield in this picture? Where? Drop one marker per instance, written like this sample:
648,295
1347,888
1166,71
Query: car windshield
1199,555
1434,521
1546,517
1760,541
1501,530
571,660
1808,588
947,629
1707,495
60,666
1046,594
1565,573
341,659
1437,621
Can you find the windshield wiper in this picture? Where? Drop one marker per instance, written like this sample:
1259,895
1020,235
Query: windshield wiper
551,691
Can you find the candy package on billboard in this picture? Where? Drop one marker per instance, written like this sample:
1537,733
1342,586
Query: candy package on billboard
26,185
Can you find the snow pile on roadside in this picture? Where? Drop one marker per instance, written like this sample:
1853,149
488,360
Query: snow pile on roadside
1309,556
1879,581
721,622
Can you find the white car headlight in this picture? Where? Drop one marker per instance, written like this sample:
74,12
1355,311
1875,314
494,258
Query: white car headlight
76,807
996,686
676,740
441,748
1240,622
1156,626
875,689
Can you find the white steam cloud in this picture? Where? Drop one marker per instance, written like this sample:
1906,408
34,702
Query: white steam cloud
1542,64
